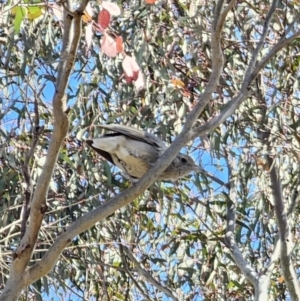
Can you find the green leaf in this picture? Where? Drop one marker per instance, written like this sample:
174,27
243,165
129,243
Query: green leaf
34,12
20,14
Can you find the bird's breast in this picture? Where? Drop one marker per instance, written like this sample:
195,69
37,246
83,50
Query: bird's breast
135,167
134,157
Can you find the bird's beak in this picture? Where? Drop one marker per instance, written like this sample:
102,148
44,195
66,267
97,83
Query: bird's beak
196,168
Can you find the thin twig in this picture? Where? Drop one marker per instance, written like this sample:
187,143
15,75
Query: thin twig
258,47
147,276
230,241
130,275
36,131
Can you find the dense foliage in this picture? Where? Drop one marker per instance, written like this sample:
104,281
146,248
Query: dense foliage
170,241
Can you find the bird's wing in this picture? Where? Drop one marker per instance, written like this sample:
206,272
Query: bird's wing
132,156
136,134
124,147
101,152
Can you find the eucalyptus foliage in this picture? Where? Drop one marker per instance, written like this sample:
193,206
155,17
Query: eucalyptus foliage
170,242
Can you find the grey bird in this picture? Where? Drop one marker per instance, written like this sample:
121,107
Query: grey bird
134,152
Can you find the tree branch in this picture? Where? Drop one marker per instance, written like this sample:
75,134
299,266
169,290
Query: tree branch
130,274
245,91
147,276
237,255
274,258
230,242
251,66
16,281
287,267
295,195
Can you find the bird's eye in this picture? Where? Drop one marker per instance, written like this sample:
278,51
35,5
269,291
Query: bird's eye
183,160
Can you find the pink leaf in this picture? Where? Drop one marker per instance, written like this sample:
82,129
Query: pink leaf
113,8
128,79
104,18
109,46
130,67
119,42
133,73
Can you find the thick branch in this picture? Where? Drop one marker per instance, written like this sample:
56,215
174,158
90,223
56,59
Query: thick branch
16,281
287,267
295,195
274,257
